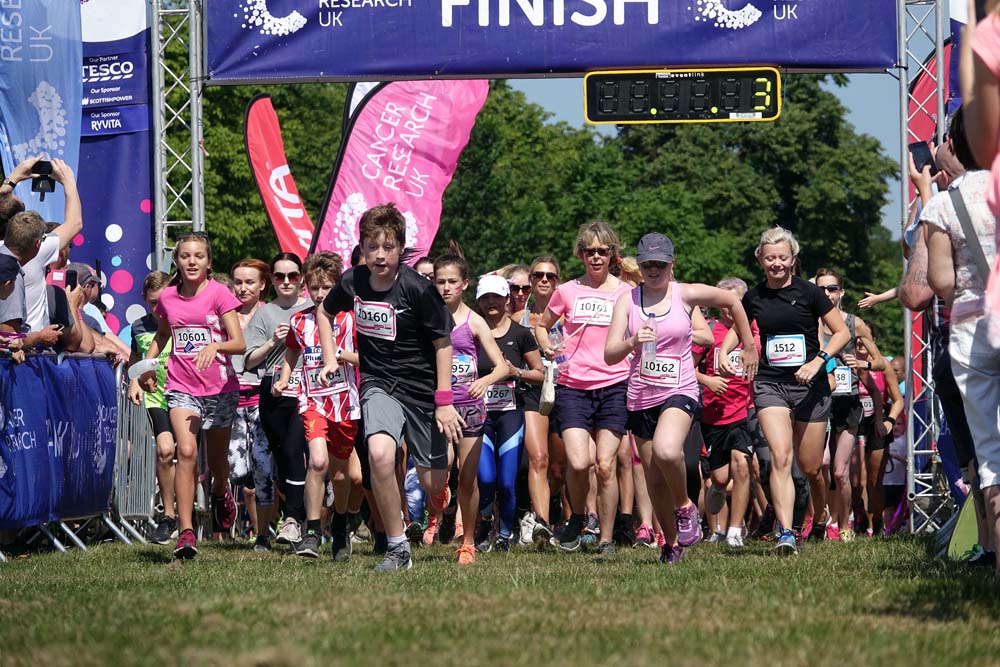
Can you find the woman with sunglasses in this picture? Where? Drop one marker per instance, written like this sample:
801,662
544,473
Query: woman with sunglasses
541,432
279,415
791,392
591,393
518,277
846,411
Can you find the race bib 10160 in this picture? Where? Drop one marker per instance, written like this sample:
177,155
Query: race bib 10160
375,318
842,380
786,351
500,397
664,371
868,405
190,340
592,309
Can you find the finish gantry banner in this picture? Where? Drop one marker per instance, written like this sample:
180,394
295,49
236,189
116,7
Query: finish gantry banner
300,40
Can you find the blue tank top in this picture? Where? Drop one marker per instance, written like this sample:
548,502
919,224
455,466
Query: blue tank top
464,362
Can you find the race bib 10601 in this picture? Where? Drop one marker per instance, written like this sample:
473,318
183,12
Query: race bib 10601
664,371
592,309
190,340
375,318
786,351
500,397
842,380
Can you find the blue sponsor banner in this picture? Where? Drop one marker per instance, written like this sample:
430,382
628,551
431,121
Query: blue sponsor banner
40,56
281,40
58,430
117,185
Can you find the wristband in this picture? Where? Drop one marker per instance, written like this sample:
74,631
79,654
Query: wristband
9,182
891,420
442,397
823,355
340,353
869,365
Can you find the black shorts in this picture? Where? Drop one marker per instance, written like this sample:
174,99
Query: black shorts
159,420
722,440
532,396
387,414
845,413
592,409
808,403
866,430
642,423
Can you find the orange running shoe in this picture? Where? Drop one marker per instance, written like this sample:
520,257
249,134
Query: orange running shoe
430,532
440,500
466,554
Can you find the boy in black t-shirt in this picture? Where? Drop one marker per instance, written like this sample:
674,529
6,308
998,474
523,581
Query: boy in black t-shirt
404,343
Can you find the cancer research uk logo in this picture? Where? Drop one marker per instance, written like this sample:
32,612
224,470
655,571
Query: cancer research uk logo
716,12
52,123
257,17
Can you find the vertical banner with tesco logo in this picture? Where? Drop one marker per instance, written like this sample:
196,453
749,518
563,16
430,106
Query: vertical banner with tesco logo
266,152
403,144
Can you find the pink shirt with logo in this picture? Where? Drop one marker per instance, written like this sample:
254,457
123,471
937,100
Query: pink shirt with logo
587,315
195,322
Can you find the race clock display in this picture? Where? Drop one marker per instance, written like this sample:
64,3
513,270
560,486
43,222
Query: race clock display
683,96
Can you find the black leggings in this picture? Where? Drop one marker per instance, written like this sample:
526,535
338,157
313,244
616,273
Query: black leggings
279,417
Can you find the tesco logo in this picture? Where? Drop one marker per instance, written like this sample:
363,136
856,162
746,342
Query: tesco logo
108,71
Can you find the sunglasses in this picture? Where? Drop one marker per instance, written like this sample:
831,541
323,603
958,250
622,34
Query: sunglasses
601,252
291,277
538,275
522,289
832,288
652,264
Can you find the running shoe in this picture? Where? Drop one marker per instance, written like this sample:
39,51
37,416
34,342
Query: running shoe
570,538
688,525
716,538
734,541
540,534
807,526
380,544
715,499
502,544
340,547
361,532
431,531
624,531
440,500
482,537
187,545
847,535
309,546
396,558
262,544
526,536
415,532
588,539
660,539
644,536
786,545
165,531
671,555
832,532
983,559
223,511
593,524
466,554
817,532
289,532
606,549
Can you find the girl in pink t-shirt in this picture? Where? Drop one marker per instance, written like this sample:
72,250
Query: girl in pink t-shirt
590,400
199,316
653,325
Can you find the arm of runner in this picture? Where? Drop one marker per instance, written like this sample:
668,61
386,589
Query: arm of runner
896,396
448,420
545,322
287,364
135,391
235,344
980,95
835,323
482,332
324,324
616,345
701,333
535,373
714,383
148,379
871,299
696,294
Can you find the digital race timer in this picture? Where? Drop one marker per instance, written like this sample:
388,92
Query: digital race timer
683,95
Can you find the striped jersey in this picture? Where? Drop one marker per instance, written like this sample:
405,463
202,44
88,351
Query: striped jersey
338,402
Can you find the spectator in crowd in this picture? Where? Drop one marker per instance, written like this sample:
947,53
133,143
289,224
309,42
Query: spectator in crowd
105,340
24,235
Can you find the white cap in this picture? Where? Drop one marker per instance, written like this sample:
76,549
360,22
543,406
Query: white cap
492,284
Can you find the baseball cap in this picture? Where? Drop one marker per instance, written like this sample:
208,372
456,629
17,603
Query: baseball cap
492,284
9,268
654,248
84,275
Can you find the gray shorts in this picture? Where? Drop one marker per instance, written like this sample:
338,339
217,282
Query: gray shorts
216,411
382,413
807,403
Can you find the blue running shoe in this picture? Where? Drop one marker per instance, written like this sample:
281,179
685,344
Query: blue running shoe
786,545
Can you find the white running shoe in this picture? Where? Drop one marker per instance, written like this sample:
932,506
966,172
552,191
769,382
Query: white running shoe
527,530
289,532
734,541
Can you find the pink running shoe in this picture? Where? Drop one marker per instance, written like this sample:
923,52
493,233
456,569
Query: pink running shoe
187,545
660,539
224,511
644,536
832,532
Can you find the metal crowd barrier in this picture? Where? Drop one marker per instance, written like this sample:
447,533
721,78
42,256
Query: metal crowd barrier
135,466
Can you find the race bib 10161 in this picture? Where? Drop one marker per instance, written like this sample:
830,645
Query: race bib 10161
786,351
592,309
375,318
664,371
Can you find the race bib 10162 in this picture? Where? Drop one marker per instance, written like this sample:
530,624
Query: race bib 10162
786,351
375,318
664,371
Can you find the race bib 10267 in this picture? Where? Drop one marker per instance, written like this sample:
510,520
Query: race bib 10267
664,371
786,351
375,318
190,340
592,309
500,397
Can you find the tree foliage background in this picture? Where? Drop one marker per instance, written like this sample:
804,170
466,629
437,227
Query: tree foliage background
524,185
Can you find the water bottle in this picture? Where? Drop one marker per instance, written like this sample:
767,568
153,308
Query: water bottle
556,342
649,347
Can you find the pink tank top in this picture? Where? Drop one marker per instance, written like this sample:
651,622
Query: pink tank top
867,402
650,383
464,362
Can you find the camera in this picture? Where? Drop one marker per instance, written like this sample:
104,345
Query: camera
43,181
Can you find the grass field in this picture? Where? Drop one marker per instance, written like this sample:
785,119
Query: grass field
867,603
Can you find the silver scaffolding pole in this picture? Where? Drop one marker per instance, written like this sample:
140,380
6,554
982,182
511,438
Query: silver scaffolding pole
921,25
178,76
